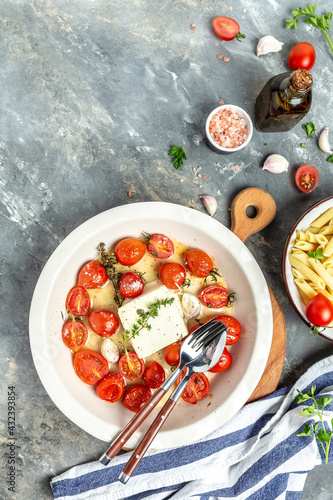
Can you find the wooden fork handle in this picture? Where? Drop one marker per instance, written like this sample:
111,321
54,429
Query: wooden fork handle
136,421
148,438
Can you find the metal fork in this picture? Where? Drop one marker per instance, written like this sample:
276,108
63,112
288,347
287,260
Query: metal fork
204,352
190,350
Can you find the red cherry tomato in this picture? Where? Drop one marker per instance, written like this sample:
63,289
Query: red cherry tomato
225,28
131,285
196,388
135,397
78,301
160,246
233,328
319,310
198,262
131,366
306,178
171,353
172,275
130,251
90,366
223,363
74,335
154,375
302,56
92,275
104,323
193,328
214,296
111,387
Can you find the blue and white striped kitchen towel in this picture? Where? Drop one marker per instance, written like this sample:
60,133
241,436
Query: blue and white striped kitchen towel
256,455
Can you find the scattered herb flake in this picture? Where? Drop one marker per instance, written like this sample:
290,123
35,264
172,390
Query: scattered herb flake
303,145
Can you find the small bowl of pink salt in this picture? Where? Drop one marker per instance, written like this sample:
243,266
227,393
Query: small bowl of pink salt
228,129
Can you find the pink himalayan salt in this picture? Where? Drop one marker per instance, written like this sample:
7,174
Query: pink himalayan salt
228,128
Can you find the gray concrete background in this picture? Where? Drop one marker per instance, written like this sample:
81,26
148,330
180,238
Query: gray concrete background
93,94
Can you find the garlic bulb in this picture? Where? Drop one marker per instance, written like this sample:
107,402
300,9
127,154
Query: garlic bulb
191,306
268,44
209,203
110,351
276,164
323,142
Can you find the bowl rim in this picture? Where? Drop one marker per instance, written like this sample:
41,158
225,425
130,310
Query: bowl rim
285,261
249,123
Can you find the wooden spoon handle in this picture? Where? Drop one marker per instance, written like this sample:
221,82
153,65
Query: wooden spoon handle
242,225
147,440
136,421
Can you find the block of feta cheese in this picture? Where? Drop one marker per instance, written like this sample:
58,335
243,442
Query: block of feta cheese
166,328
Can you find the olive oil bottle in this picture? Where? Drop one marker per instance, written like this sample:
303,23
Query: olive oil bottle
284,101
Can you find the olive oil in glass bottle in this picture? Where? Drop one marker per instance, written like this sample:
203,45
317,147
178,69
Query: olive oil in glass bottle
284,101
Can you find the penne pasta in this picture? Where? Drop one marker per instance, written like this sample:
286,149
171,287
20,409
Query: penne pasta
305,245
300,235
307,271
301,256
306,288
323,218
311,237
327,229
297,274
328,250
322,272
321,240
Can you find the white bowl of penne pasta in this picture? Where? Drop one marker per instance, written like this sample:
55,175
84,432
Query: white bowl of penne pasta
307,266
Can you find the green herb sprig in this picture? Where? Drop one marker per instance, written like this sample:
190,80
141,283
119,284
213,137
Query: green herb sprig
316,254
109,260
214,274
239,36
321,22
143,319
330,159
322,435
179,154
309,128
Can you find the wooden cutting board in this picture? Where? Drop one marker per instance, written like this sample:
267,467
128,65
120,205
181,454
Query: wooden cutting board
243,226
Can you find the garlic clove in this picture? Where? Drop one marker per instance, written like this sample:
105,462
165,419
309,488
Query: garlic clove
276,164
209,203
268,44
110,351
323,142
191,306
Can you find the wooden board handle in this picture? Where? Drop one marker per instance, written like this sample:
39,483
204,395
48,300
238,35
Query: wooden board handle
242,225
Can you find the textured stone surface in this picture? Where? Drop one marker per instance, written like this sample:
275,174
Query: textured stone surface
93,94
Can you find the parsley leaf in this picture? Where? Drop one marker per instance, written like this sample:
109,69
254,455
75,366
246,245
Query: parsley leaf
323,435
317,254
309,128
330,159
303,145
321,22
179,155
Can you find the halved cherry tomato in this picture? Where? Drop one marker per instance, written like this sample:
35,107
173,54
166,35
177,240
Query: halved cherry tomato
172,275
214,296
196,388
198,262
319,310
131,285
111,387
160,246
135,397
302,56
130,251
171,353
306,178
78,301
154,375
131,366
74,335
223,363
226,28
90,366
233,328
193,328
92,275
104,323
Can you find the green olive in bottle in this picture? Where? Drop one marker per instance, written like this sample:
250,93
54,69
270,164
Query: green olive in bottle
284,101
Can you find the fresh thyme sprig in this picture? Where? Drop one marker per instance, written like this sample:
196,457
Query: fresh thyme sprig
324,437
143,319
109,260
213,274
